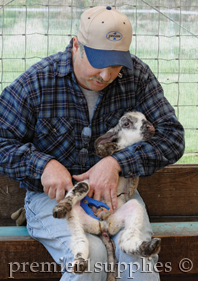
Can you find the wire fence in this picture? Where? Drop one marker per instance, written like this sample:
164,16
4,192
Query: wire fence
165,36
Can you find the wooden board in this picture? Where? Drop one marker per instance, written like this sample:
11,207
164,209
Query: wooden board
22,259
179,277
178,255
11,197
186,277
172,191
23,256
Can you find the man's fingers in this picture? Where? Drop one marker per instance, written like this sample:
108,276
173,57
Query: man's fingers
52,193
114,199
106,197
91,194
60,194
108,201
81,177
97,196
46,189
56,180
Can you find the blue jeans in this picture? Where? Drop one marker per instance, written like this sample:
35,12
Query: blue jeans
55,236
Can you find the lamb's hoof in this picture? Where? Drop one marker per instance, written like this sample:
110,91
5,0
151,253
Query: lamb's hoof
150,248
79,265
105,149
60,211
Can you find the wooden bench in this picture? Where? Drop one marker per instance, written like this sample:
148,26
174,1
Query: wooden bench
171,198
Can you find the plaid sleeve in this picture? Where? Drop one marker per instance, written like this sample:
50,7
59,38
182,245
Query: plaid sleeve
18,156
167,145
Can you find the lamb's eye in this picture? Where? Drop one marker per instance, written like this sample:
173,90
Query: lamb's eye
126,124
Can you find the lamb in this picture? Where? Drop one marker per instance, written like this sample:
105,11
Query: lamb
132,127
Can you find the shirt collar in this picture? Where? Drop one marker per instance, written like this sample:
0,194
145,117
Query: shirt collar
65,65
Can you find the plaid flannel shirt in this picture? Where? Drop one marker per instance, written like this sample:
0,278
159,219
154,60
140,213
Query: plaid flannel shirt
43,112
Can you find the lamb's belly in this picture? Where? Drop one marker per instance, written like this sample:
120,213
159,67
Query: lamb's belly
126,189
122,185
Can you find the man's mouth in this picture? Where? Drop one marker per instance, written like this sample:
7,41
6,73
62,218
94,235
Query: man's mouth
100,80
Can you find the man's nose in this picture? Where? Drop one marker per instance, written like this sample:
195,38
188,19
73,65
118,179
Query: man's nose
105,73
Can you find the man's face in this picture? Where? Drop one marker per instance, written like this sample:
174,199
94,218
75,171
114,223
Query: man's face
88,77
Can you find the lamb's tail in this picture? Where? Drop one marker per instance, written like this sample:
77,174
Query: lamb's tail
111,258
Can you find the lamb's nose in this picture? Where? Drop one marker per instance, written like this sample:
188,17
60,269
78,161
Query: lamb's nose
150,127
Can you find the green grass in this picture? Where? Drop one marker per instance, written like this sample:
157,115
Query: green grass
161,53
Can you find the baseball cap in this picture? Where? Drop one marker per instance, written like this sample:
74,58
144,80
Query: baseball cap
106,35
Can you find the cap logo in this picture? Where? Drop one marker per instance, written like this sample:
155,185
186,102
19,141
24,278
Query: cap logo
114,36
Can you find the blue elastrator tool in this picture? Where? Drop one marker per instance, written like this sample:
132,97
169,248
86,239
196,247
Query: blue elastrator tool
87,203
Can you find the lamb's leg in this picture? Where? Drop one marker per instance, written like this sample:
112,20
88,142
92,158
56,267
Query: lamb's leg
78,222
67,208
130,242
79,242
133,239
78,192
106,149
149,248
111,258
90,224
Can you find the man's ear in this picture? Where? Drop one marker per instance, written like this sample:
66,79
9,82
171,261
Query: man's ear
75,45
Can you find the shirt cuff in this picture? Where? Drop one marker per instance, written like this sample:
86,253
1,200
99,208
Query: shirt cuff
129,163
37,163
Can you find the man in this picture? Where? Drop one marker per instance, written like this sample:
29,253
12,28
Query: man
42,119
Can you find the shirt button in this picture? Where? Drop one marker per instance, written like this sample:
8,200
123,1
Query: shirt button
80,100
129,173
35,174
54,130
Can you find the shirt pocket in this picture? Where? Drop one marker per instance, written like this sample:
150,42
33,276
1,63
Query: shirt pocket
56,137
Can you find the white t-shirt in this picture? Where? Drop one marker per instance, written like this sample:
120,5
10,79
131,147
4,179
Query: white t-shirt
91,98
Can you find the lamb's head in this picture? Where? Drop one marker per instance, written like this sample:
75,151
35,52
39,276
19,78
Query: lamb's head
132,127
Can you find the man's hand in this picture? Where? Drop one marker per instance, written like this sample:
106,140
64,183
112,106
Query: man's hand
56,179
103,179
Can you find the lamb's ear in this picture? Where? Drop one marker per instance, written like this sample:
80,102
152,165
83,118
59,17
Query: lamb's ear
111,135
